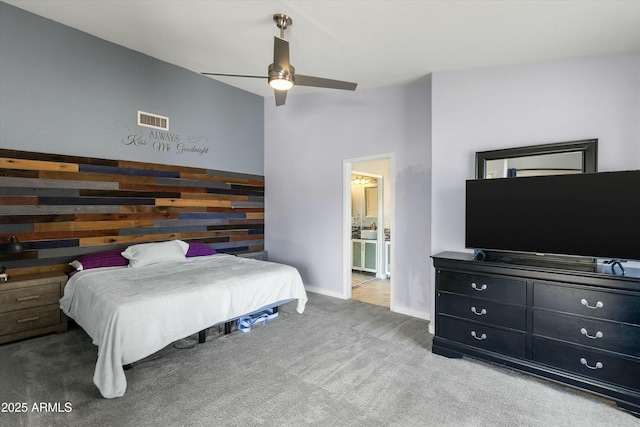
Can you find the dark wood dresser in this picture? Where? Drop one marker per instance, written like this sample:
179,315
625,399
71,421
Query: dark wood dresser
573,326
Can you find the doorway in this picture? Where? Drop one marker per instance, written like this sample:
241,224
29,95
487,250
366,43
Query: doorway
367,230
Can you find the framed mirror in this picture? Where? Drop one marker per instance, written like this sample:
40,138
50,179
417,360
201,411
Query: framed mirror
545,159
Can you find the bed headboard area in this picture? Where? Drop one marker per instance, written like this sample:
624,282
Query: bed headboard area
60,207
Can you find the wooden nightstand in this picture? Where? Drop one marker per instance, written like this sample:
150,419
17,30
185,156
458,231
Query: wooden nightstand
29,306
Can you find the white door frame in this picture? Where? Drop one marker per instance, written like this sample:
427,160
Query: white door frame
346,222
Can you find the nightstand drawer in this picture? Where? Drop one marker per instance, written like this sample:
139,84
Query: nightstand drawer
603,366
480,310
587,302
481,286
506,342
31,296
606,335
31,318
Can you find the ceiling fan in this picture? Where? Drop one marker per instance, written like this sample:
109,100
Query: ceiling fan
281,74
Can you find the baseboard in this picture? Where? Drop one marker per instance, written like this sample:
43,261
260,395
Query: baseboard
411,312
321,291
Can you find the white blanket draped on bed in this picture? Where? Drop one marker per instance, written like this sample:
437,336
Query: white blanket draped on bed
131,313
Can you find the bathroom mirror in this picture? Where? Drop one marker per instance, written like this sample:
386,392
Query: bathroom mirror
545,159
371,201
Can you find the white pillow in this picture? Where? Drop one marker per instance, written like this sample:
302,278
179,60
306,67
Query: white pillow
152,253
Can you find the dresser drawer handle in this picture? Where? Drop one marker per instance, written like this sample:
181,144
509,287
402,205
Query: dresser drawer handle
479,338
28,298
481,288
28,319
584,302
479,313
599,365
598,334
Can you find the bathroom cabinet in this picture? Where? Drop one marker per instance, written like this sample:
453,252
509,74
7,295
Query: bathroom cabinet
365,255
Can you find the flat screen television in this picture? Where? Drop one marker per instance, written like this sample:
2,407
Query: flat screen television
593,215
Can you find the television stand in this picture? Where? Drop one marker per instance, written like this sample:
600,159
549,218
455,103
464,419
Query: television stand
574,327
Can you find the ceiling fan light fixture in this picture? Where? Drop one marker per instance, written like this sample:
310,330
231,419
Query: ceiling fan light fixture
280,83
281,79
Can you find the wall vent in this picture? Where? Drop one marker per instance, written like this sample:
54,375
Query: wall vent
153,121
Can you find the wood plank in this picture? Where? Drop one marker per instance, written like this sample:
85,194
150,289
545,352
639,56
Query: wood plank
207,196
255,215
120,193
39,165
30,219
18,200
256,193
57,210
247,204
118,171
168,209
217,178
155,215
64,234
90,225
244,210
155,166
100,177
240,238
18,173
168,188
30,155
55,183
238,175
24,191
47,201
186,202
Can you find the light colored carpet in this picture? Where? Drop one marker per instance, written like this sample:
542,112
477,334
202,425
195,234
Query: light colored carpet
341,363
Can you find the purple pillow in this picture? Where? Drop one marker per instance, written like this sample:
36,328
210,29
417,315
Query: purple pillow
112,258
199,249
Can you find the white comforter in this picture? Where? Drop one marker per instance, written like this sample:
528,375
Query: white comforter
131,313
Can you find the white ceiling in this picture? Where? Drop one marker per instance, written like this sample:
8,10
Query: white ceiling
373,43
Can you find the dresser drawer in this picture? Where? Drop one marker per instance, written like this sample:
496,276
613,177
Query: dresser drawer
587,302
31,296
600,365
613,336
506,342
30,318
481,310
505,290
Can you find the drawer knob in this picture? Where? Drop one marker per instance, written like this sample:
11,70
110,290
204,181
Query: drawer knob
479,338
598,334
481,288
479,313
584,302
599,365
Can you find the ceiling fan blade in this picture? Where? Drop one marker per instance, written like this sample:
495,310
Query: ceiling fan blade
280,53
234,75
281,96
302,80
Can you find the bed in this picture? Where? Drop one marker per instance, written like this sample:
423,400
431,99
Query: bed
131,313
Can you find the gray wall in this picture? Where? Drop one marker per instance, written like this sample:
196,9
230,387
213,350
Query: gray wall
304,173
520,105
64,91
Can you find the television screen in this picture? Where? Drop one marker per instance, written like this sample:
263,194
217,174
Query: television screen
592,215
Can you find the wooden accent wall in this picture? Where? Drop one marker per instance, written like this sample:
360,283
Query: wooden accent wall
60,207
